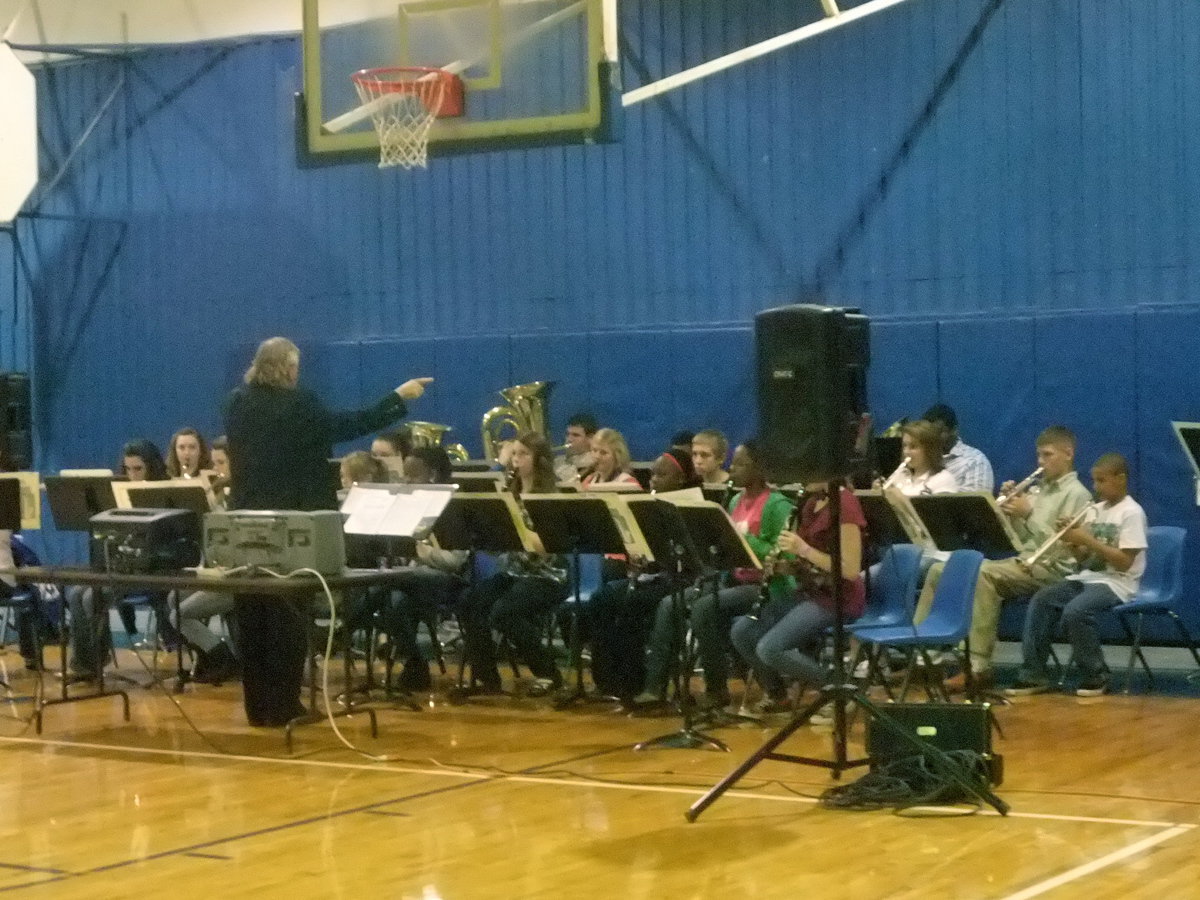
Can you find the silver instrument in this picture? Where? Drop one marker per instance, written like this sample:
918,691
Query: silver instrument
891,479
1030,560
1021,487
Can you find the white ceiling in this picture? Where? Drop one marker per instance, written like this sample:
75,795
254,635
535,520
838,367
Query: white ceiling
91,22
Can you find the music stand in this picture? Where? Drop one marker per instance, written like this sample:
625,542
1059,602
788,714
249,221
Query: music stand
672,544
574,524
29,487
74,499
1188,434
967,521
190,494
482,523
10,504
719,494
478,482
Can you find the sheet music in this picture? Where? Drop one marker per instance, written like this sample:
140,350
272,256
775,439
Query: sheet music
380,511
690,495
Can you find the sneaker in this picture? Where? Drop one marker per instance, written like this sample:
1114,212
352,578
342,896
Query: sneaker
541,687
1093,686
1026,687
768,706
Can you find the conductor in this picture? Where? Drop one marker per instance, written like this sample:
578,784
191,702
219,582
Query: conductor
280,438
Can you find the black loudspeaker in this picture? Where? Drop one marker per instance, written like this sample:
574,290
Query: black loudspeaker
812,390
16,420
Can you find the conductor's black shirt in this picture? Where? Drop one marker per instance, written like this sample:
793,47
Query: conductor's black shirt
280,441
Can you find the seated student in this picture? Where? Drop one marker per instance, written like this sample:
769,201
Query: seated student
528,587
760,514
969,466
576,459
216,662
361,467
610,460
617,617
1033,517
219,456
392,443
922,444
1111,549
187,454
784,641
709,449
140,461
432,582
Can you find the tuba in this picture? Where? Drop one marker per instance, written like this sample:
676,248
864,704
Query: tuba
526,411
430,434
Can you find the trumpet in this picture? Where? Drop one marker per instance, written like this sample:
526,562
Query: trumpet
891,479
1021,487
1030,560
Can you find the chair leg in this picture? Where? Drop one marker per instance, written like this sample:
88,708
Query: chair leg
1186,635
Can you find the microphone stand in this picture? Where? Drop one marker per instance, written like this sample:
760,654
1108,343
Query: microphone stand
842,694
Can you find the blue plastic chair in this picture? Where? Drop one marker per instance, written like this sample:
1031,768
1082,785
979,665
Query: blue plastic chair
893,589
891,598
948,622
1161,590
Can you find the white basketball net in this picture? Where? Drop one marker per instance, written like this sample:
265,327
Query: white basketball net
403,107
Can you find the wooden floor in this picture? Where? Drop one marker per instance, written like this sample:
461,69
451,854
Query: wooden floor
508,798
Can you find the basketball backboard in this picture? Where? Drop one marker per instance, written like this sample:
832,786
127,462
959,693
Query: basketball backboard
533,70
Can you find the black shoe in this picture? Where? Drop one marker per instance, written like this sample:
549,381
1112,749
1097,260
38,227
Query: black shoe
1093,686
414,678
217,666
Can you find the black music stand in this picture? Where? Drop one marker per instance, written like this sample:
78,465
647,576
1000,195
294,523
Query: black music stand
74,499
478,482
718,493
572,525
672,544
841,693
479,523
156,495
883,525
10,504
721,549
965,521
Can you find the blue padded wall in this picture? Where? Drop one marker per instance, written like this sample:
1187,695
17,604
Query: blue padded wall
1030,253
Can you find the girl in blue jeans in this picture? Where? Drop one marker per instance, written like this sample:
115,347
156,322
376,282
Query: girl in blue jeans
784,640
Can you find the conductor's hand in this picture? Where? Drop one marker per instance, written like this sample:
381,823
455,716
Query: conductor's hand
413,388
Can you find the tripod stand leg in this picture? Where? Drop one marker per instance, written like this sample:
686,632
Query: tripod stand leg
766,751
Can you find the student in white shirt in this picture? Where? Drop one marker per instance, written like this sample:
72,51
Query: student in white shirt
925,473
1111,550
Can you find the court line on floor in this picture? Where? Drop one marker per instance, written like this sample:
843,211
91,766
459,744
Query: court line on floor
1109,859
192,850
533,779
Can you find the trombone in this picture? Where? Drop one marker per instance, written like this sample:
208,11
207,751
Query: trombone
1030,560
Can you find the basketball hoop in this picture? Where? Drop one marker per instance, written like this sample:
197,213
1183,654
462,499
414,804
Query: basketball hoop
403,102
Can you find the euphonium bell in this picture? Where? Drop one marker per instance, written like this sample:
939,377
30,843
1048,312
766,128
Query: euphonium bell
526,411
430,434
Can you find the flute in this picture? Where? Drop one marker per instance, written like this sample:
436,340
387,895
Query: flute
899,469
1021,487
